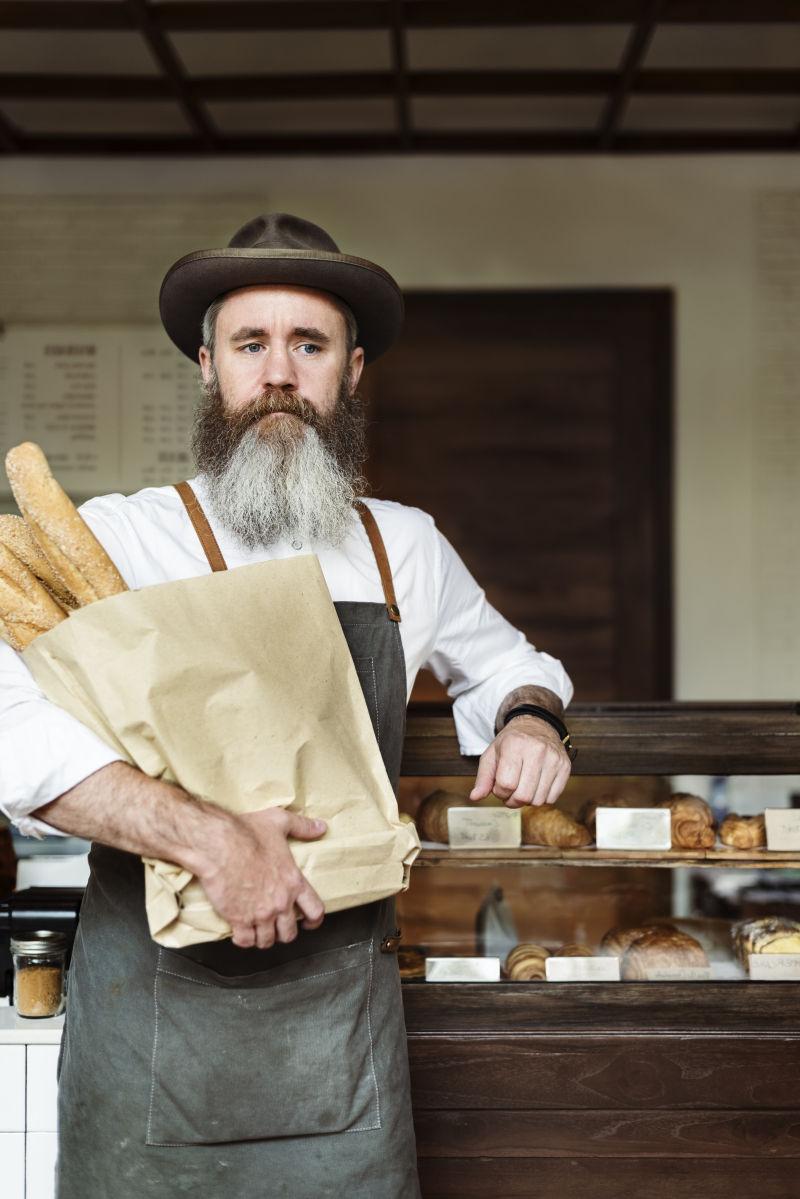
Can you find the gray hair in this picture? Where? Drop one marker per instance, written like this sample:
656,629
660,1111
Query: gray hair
215,307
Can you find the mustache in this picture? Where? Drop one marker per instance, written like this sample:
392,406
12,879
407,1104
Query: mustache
271,401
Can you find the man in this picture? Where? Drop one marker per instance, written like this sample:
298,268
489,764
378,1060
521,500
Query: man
242,1068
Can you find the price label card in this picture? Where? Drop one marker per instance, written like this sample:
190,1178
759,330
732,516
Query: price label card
634,828
462,970
783,828
775,967
484,828
679,974
582,970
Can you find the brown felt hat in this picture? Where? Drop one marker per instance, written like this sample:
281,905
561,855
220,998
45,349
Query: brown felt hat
279,248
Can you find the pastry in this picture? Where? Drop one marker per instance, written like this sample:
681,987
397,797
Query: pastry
17,537
617,940
692,821
546,825
431,819
744,832
74,553
526,963
573,949
660,948
411,961
766,934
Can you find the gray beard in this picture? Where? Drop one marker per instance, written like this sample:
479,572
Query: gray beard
273,490
294,477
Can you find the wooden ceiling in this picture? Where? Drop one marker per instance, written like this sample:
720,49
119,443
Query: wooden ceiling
270,77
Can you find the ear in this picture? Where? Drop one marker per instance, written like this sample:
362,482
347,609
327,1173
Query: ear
355,367
206,362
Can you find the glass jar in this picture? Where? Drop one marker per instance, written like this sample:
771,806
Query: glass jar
39,973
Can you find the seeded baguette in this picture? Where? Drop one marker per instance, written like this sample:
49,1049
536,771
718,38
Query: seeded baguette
17,537
74,553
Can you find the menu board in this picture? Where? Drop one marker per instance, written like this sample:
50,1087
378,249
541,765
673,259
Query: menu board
110,405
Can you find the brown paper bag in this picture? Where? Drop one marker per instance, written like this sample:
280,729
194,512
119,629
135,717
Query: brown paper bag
240,687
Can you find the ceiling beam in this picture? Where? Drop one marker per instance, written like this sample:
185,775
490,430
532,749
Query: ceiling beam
174,15
485,142
10,139
164,54
632,59
356,84
402,102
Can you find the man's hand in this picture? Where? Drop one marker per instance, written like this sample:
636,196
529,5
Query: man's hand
253,881
525,764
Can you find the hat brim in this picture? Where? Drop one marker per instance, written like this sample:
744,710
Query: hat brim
197,280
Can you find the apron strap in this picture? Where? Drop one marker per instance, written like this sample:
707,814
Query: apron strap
381,557
201,526
216,561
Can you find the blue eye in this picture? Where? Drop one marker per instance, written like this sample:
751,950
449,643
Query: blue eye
309,345
253,345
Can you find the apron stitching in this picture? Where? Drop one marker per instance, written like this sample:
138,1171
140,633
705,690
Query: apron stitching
369,1031
375,693
155,1049
276,987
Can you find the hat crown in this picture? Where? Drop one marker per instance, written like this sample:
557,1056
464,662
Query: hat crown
282,231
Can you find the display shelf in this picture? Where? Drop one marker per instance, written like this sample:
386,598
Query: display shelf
646,739
743,859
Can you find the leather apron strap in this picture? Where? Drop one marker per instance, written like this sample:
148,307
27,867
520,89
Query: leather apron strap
216,561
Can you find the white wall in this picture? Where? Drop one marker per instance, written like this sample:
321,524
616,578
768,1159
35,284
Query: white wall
686,223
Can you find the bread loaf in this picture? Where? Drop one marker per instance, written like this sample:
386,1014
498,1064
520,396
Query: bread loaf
617,940
431,818
692,821
660,948
573,949
744,832
546,825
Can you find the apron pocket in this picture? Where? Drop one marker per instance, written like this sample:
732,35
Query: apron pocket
283,1053
365,669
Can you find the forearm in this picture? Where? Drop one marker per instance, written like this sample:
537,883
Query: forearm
540,696
126,809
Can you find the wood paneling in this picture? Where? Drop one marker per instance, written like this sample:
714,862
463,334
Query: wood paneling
535,427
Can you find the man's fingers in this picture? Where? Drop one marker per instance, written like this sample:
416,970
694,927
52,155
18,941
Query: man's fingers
286,927
508,773
304,829
484,780
244,935
559,782
311,907
529,783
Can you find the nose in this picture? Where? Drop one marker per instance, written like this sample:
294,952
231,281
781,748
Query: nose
278,369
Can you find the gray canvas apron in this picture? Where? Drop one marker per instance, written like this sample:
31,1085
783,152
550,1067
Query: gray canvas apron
229,1073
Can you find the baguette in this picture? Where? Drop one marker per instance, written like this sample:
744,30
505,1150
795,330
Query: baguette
17,537
74,553
24,613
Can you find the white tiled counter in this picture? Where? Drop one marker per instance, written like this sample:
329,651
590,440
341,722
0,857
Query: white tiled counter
28,1057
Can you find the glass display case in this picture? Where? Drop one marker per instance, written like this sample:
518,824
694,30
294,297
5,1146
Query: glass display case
528,1087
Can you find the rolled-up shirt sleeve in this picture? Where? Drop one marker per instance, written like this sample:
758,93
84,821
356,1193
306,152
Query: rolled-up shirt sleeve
43,750
479,656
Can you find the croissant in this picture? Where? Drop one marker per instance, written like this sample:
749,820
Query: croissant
546,825
767,934
573,949
744,832
660,948
692,821
526,963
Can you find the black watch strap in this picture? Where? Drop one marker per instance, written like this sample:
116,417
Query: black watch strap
548,717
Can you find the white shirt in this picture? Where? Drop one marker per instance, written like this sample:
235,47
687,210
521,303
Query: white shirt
447,625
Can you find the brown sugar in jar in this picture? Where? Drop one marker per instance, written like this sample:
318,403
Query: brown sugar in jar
39,969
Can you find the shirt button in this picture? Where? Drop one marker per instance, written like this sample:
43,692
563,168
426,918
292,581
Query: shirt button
297,545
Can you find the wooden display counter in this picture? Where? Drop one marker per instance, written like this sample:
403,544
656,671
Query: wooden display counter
665,1090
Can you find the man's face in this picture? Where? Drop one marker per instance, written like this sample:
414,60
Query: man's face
281,339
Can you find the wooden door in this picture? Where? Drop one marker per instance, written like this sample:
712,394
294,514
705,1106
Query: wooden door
536,428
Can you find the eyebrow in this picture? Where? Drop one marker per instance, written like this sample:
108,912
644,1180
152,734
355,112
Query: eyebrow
247,332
